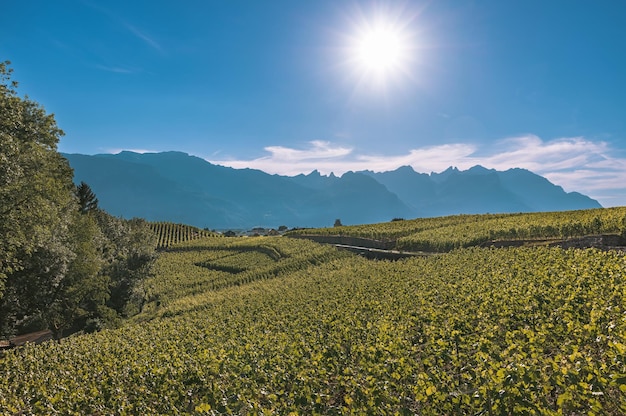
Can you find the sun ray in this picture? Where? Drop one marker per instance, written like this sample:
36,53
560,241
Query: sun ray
380,50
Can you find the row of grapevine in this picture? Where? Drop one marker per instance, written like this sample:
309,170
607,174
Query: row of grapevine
445,233
476,331
200,267
169,233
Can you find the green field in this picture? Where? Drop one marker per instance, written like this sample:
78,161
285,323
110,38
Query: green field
275,325
443,234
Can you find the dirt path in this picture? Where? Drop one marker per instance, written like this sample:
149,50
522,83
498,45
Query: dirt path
34,337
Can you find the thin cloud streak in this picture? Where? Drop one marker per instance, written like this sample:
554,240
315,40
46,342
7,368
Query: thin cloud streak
120,21
141,35
319,150
428,159
576,164
532,153
116,69
119,150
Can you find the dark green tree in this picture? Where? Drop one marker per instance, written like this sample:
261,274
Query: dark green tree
87,200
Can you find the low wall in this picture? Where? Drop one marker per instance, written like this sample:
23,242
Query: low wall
348,241
605,241
601,241
379,254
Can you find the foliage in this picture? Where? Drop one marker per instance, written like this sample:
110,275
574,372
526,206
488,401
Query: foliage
169,233
87,200
32,290
128,254
100,280
58,269
197,267
476,331
443,234
278,326
37,209
83,290
35,184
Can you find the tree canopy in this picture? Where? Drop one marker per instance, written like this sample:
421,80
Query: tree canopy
35,181
64,263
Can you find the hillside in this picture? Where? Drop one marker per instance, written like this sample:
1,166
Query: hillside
176,187
119,316
274,325
442,234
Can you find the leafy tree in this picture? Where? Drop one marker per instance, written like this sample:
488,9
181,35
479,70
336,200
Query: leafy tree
33,288
35,192
84,290
58,269
337,223
128,254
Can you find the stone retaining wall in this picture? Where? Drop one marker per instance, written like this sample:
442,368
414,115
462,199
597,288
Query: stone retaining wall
349,241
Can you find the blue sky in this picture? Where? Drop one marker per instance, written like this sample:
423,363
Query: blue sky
275,85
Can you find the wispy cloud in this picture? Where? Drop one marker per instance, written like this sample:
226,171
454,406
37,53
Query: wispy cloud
319,150
426,159
118,150
534,154
143,36
327,158
116,69
133,29
576,164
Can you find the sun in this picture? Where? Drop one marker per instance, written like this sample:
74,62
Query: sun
380,51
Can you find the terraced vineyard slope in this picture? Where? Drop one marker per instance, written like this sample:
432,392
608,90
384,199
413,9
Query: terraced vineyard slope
169,233
274,325
443,234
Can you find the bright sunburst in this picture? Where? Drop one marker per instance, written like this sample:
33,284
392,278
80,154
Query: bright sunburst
380,50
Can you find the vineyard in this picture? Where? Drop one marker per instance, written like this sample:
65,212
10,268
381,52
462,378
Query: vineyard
169,233
275,325
189,271
443,234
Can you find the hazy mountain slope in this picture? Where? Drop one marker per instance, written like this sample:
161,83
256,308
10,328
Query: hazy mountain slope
128,189
262,198
195,173
173,186
544,195
479,190
474,191
356,198
415,189
315,180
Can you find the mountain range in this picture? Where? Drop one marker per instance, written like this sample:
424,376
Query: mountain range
177,187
